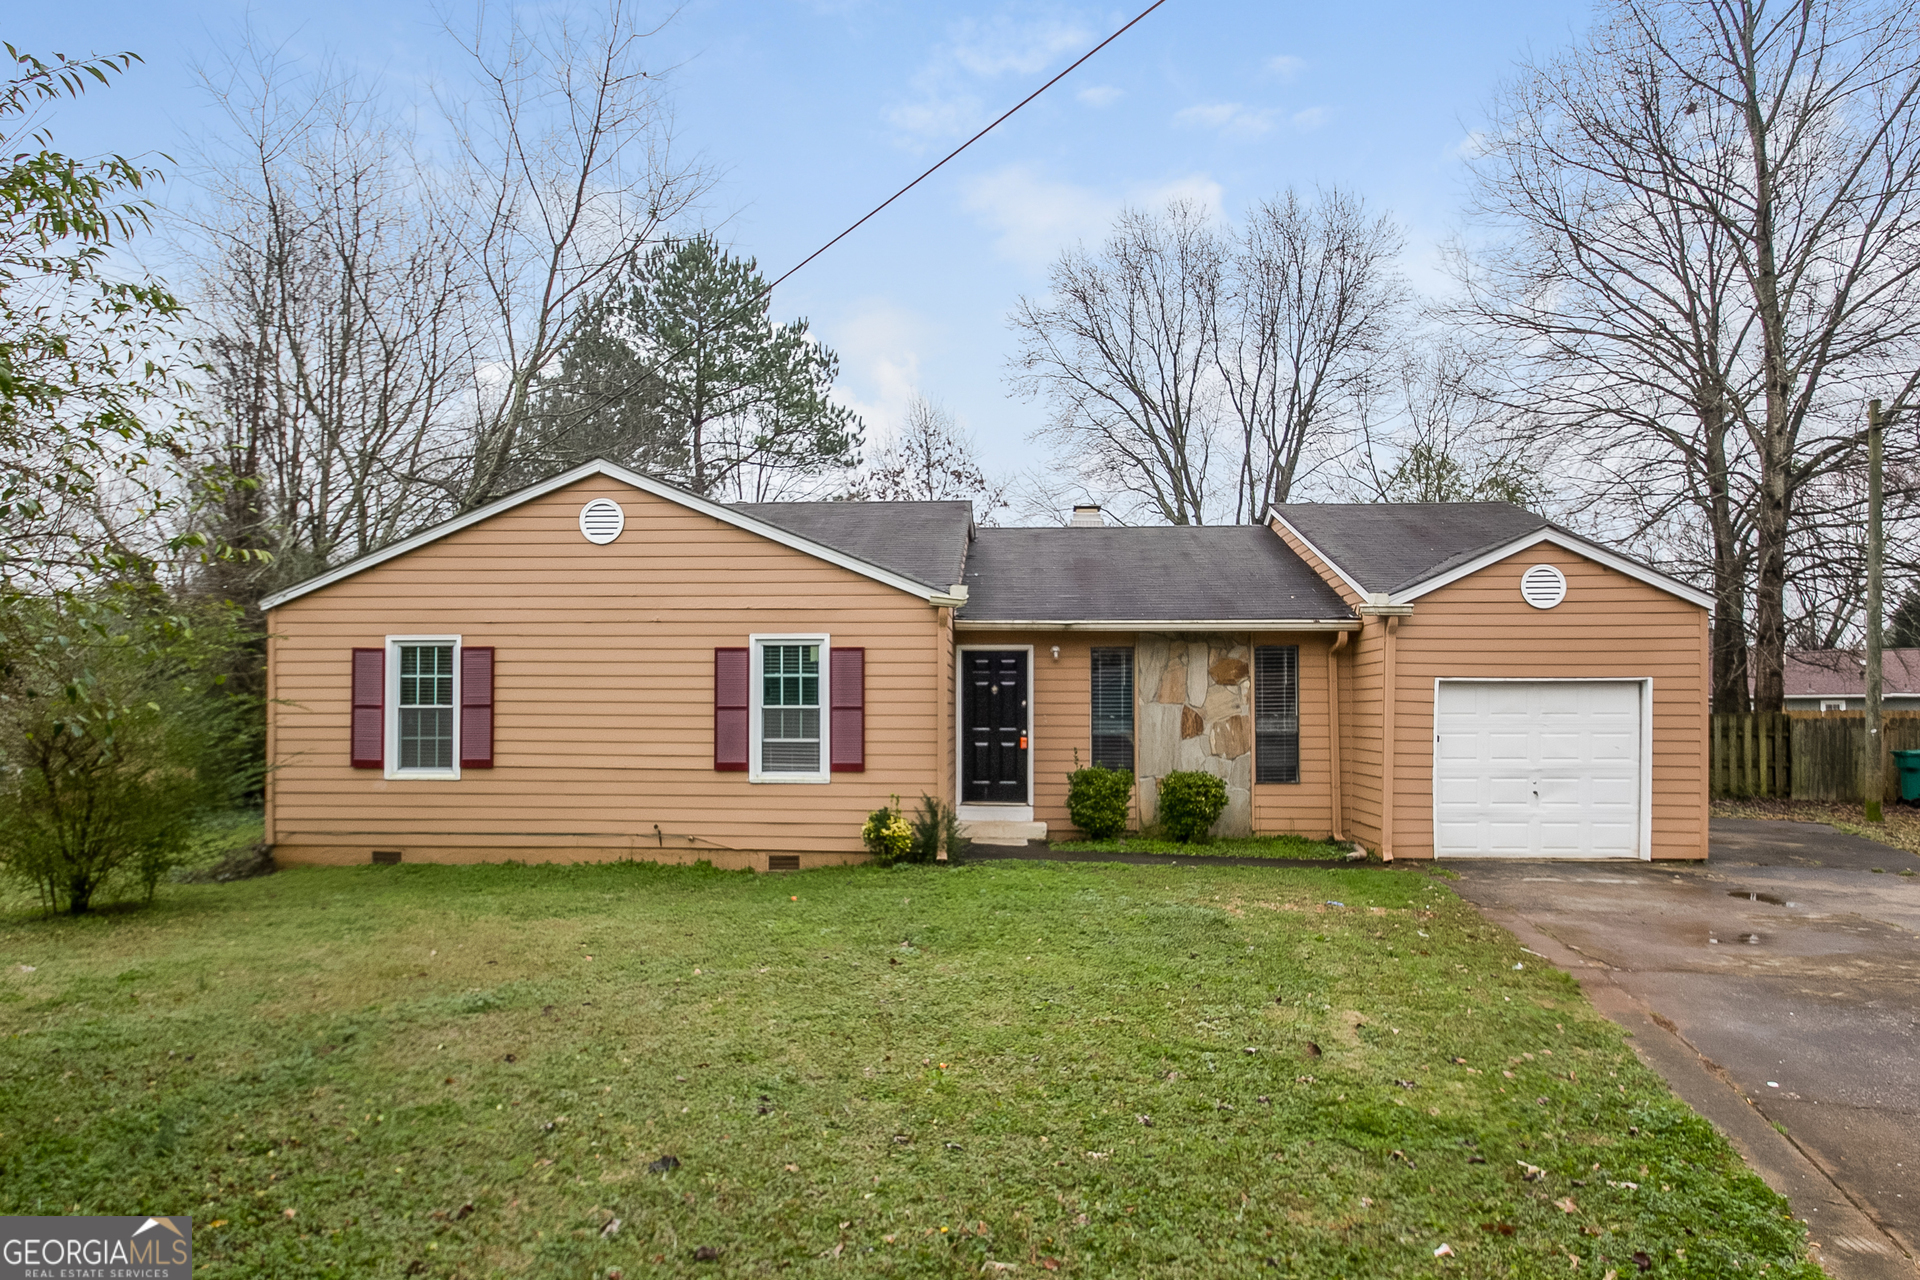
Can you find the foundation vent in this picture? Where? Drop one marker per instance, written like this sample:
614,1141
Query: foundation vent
601,521
1543,586
386,857
1087,515
783,862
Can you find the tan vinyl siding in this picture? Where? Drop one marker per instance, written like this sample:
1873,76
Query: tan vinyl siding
603,691
1609,626
1360,721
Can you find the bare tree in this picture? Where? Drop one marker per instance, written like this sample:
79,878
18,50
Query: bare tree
1196,371
1712,255
931,458
1123,349
567,164
1433,428
1314,298
336,317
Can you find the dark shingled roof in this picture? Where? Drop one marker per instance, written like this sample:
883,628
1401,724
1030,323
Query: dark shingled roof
925,541
1390,546
1214,573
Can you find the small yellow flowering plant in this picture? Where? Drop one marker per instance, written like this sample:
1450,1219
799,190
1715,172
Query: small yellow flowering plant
888,835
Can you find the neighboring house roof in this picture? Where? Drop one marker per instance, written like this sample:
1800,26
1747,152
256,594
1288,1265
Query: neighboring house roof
1836,673
1403,550
1117,578
925,541
933,593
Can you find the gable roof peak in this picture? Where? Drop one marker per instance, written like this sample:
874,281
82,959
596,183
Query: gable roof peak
932,593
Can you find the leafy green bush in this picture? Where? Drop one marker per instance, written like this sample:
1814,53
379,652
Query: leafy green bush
1190,803
117,736
887,835
936,825
1097,800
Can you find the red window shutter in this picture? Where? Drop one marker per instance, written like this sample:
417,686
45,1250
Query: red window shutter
849,688
476,707
731,675
369,732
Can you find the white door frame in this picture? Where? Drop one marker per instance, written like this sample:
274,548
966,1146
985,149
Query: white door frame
988,812
1645,684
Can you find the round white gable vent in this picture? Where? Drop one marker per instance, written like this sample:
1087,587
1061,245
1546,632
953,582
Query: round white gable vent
601,521
1543,586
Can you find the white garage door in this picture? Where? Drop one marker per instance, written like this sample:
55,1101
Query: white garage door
1537,769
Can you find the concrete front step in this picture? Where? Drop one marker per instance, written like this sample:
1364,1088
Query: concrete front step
1004,833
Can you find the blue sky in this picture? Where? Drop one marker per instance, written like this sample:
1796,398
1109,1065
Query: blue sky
814,112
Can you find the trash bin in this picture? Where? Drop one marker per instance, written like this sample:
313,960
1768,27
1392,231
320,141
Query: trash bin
1908,765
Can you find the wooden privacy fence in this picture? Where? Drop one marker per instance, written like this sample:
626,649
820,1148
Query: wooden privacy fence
1830,753
1750,754
1806,756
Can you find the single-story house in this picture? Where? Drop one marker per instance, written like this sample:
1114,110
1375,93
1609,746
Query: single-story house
1836,680
604,666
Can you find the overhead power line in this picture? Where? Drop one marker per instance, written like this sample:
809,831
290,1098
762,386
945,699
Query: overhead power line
969,142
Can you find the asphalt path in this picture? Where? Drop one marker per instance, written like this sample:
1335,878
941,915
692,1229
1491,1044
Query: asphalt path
1777,987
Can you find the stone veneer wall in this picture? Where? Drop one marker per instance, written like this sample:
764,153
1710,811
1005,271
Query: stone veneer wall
1194,696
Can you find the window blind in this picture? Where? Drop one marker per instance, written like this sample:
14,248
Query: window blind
426,706
1113,708
1276,713
790,708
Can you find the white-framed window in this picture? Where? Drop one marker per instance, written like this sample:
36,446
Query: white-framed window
790,722
423,707
1833,704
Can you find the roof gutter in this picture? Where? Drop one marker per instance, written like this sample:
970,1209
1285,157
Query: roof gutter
1158,624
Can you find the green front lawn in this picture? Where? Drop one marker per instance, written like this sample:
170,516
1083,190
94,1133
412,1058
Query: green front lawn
1225,847
1079,1069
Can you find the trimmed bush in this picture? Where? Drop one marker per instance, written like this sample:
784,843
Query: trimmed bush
1190,803
1097,800
888,835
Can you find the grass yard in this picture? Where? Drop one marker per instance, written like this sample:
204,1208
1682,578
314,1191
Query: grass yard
1226,847
1001,1068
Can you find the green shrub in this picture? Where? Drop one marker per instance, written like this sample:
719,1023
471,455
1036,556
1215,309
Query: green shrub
936,825
117,736
888,835
1097,800
1190,803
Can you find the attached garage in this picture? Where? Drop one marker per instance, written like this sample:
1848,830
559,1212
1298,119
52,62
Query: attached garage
1516,690
1541,769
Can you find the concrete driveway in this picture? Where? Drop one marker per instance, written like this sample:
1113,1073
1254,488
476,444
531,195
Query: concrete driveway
1777,987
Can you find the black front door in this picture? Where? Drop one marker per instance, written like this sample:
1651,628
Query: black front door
993,725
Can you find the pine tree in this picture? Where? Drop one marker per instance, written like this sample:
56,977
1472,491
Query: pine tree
683,373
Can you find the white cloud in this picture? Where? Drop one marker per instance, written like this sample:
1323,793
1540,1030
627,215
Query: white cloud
947,102
1473,146
1230,118
1286,66
1099,95
1005,43
936,115
879,347
1310,119
1036,216
1195,189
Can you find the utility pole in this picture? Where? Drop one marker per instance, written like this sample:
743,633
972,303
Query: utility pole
1876,779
